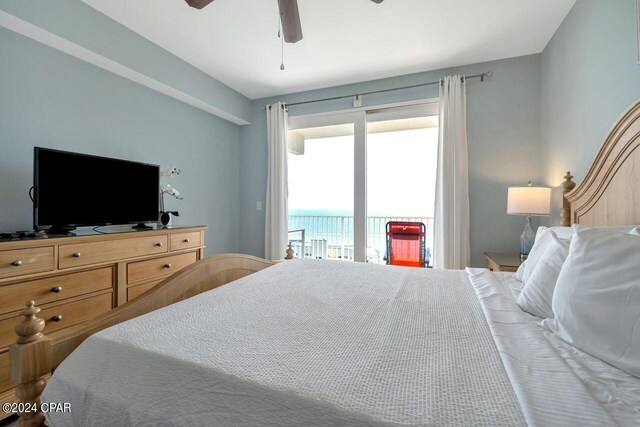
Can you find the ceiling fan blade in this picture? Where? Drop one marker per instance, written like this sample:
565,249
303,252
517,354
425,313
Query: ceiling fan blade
290,18
198,4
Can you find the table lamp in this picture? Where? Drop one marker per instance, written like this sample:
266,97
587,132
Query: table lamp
529,201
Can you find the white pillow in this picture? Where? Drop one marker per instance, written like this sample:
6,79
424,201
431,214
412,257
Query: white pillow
562,232
597,297
537,293
520,271
567,232
543,238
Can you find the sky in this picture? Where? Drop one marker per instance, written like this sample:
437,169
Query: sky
401,172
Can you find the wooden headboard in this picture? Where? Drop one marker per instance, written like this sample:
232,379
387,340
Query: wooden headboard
609,194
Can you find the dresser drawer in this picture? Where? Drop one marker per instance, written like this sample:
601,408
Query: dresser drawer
160,267
135,291
78,254
69,314
185,241
19,262
51,289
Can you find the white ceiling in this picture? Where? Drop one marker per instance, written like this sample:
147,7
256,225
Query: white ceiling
345,41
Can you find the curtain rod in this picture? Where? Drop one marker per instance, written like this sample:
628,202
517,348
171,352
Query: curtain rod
481,76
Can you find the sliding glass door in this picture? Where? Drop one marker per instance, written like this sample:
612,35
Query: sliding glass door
351,172
321,199
401,173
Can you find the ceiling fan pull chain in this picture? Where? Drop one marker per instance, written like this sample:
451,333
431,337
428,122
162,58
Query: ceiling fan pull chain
281,53
279,19
280,37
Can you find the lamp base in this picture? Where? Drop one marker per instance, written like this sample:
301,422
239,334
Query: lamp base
527,238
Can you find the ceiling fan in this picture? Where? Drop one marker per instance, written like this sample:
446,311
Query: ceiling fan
289,16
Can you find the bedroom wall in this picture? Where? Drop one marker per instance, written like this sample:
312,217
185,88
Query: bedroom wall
80,24
503,139
590,76
50,99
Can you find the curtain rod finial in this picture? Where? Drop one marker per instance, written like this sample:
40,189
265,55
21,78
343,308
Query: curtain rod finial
485,75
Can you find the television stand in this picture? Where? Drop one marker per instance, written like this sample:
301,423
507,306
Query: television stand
61,230
142,226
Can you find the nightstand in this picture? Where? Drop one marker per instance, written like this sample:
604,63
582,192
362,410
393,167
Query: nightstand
497,261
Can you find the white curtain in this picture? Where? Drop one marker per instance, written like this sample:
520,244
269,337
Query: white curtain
276,205
451,222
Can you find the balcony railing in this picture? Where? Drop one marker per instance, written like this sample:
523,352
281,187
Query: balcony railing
331,236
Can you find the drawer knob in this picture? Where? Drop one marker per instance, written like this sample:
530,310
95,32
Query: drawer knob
56,290
17,263
186,240
159,244
77,255
167,266
57,318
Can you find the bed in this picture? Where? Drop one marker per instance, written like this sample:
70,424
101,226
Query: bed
307,342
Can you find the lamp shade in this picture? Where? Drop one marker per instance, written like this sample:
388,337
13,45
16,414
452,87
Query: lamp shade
529,201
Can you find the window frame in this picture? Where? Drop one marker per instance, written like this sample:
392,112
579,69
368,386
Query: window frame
359,117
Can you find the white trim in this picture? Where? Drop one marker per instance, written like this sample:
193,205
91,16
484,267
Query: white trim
334,117
359,117
56,42
360,188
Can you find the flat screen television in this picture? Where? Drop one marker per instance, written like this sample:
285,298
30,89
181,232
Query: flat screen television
73,189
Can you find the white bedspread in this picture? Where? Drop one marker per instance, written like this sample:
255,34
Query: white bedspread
331,343
300,343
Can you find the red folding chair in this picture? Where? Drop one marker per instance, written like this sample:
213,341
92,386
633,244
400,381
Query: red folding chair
406,243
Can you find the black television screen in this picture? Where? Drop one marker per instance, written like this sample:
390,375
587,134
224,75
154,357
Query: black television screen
72,189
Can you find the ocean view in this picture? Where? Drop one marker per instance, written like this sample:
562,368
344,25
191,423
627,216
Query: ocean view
325,234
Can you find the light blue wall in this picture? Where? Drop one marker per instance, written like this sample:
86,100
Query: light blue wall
79,23
51,99
539,116
503,134
590,75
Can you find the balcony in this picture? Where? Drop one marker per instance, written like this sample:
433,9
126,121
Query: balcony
331,236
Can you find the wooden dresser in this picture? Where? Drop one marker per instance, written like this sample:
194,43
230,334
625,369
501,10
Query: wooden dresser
79,277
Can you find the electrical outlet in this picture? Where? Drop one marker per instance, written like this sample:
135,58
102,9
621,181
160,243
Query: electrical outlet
258,206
